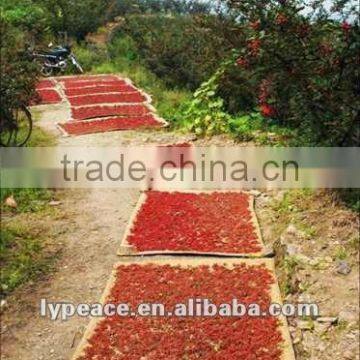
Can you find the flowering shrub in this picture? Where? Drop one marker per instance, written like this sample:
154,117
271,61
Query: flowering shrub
18,76
109,124
134,97
216,222
297,65
164,338
181,50
89,112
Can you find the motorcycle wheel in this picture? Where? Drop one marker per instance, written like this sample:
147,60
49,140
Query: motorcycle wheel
46,71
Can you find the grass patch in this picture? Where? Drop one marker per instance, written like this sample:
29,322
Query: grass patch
41,138
23,255
351,198
341,253
253,127
24,249
289,208
28,200
288,269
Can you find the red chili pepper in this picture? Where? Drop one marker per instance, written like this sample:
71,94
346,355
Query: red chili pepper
162,338
217,222
267,110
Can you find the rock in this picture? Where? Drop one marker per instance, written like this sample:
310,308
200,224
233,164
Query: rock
296,336
255,193
351,336
291,230
54,203
310,341
305,299
3,304
269,251
322,347
301,258
305,325
314,262
192,137
320,263
262,200
4,329
321,328
10,201
329,320
349,355
343,268
291,250
348,316
280,195
292,329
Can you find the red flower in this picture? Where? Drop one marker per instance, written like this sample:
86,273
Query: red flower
346,26
254,46
281,19
255,25
267,110
326,49
242,62
303,30
264,91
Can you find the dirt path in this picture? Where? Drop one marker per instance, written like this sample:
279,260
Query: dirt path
95,223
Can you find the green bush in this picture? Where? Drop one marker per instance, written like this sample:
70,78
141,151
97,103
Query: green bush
181,50
301,69
26,15
24,255
126,7
18,73
90,56
76,18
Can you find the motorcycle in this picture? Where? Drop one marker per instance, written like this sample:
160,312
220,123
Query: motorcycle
55,60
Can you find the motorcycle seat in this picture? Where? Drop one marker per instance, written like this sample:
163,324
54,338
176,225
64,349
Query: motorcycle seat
58,52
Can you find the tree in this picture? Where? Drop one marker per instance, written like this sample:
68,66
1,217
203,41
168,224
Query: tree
76,18
299,65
